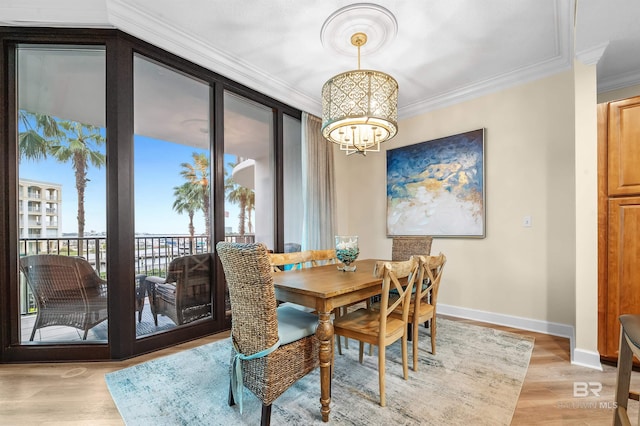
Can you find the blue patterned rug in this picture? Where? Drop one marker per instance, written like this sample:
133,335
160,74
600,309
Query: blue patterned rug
474,379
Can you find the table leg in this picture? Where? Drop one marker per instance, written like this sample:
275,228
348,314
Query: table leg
325,336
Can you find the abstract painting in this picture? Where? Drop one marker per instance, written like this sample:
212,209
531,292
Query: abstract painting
437,187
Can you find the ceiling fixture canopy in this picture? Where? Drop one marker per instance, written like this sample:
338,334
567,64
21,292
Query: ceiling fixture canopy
360,107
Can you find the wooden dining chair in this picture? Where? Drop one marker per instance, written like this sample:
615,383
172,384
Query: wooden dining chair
273,346
422,308
380,327
629,346
328,257
289,261
323,257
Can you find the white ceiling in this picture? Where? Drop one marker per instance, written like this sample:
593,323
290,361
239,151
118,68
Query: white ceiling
444,51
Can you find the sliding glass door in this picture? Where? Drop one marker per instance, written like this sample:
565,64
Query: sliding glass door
61,198
172,187
123,165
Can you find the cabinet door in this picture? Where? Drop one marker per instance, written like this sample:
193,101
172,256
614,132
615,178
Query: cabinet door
624,147
623,287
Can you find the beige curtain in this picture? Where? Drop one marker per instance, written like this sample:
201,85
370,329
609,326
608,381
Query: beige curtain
318,187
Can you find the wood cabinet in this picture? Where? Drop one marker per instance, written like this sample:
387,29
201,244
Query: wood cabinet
619,219
624,147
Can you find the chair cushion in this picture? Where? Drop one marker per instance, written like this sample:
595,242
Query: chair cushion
631,325
166,291
298,307
294,324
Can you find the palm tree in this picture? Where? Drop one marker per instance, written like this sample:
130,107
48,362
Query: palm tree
229,184
251,204
238,194
34,142
186,201
79,144
244,197
197,176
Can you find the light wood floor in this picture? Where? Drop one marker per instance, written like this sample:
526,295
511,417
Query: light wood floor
76,393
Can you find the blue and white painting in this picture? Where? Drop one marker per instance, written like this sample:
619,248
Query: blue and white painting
437,187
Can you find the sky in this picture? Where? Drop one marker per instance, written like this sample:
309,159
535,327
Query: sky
157,172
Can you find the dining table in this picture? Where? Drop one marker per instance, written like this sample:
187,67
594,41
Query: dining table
325,288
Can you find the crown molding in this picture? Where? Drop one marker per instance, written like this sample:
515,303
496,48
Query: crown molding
44,13
501,82
620,81
592,55
128,18
138,23
560,60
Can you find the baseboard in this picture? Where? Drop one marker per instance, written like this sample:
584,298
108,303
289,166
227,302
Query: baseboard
578,356
585,358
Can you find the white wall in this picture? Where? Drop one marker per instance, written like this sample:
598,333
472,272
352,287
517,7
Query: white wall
529,161
586,169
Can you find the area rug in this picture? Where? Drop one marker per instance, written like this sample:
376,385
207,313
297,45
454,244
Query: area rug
474,379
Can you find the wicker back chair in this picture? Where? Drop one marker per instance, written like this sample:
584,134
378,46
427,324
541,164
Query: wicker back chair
404,247
270,363
185,294
67,291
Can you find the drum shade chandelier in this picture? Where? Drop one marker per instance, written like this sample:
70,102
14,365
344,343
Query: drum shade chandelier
360,107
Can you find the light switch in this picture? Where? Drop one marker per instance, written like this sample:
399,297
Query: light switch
526,221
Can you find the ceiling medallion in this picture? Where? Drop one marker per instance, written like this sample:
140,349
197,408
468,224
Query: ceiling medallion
378,23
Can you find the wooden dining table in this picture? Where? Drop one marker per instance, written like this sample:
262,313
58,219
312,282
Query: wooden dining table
325,288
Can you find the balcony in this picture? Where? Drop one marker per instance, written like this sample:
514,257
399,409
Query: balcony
152,255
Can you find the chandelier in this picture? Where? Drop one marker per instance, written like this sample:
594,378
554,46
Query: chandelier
360,107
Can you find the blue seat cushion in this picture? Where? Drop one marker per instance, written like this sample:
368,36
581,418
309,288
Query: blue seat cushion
294,324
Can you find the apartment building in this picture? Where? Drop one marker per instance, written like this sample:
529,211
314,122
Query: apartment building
40,211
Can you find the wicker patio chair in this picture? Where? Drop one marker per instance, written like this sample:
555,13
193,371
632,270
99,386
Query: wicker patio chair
67,292
141,291
273,346
292,247
185,294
